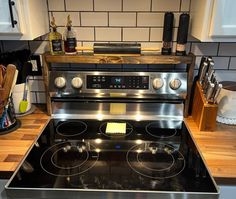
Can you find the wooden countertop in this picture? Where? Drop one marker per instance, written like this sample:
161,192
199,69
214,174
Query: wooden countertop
218,148
14,146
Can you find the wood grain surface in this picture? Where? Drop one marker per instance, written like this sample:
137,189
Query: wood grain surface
118,59
218,149
14,145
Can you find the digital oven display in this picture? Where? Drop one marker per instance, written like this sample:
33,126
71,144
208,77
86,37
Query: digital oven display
117,80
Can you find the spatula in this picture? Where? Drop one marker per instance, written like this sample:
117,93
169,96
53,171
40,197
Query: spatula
24,103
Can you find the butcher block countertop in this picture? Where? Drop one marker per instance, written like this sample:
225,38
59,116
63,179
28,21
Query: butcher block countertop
218,148
14,145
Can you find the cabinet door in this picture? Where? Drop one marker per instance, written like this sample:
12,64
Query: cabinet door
6,18
223,18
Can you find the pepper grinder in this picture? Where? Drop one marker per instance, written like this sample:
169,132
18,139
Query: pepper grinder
167,33
182,34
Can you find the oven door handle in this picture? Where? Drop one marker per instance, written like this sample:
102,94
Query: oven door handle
117,100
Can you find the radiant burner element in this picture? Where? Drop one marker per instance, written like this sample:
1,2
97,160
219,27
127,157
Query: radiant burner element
71,128
69,159
154,130
129,129
155,160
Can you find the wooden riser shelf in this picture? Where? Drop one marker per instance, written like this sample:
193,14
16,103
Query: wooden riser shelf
118,59
89,58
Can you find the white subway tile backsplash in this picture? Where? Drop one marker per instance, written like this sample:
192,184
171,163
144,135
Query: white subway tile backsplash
94,19
36,85
135,34
41,97
227,49
150,19
108,34
209,49
232,63
39,47
152,45
108,5
56,5
79,5
122,19
136,5
156,34
226,75
185,5
15,45
221,62
61,18
33,97
84,34
165,5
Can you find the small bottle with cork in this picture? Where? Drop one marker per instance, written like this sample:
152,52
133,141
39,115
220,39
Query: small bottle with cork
55,39
69,38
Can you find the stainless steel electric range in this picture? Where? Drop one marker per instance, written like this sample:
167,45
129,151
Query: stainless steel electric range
114,135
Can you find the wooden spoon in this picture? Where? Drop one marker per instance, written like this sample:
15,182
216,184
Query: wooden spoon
8,80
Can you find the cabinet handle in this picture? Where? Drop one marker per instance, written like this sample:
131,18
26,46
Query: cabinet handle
13,21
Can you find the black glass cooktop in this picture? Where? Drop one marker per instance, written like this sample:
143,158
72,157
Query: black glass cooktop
83,155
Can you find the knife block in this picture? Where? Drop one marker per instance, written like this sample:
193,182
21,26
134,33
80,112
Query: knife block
203,113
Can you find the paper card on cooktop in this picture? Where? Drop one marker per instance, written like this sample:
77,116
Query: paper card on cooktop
116,128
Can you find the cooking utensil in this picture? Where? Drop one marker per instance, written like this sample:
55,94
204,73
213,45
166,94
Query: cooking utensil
210,69
216,94
202,72
116,48
24,103
1,75
8,81
209,91
3,121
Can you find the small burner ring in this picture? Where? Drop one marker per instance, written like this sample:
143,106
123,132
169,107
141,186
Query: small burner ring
71,128
162,135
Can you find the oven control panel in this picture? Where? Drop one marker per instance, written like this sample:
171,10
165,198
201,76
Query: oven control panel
117,82
129,83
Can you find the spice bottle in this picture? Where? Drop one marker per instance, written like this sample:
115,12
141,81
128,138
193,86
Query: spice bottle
55,39
69,38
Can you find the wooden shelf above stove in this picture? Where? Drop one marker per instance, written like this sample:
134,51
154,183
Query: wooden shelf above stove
89,58
119,59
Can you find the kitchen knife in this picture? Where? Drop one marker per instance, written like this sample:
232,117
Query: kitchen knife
203,59
219,87
209,59
202,72
213,78
205,83
209,90
210,69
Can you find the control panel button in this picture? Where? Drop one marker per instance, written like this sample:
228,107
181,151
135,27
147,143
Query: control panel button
60,82
175,84
157,83
77,82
